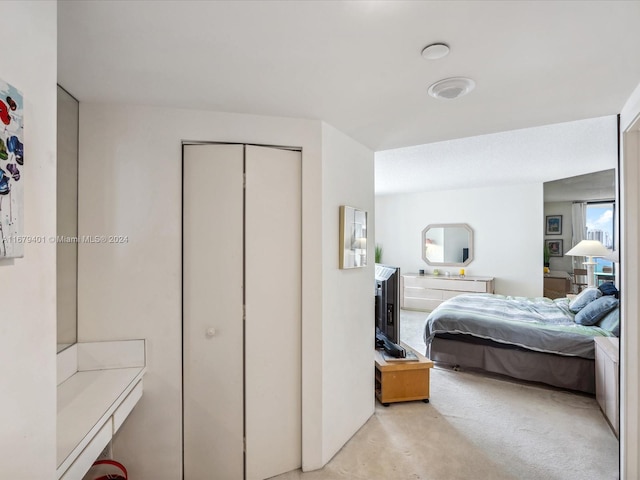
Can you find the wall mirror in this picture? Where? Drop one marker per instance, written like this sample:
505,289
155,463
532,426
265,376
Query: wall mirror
353,237
67,219
586,203
447,244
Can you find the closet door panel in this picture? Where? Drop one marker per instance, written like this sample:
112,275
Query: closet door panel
273,311
212,296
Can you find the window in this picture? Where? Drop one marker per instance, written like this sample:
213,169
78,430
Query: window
599,221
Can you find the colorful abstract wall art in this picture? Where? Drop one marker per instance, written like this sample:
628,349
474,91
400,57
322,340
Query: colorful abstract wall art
11,174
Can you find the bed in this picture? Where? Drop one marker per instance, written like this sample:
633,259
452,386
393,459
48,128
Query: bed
534,339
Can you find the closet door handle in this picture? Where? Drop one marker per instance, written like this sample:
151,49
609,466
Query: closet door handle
210,332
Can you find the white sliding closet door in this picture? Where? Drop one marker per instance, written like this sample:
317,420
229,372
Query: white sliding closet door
273,299
241,381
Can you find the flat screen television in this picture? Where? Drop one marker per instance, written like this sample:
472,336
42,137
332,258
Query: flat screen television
388,310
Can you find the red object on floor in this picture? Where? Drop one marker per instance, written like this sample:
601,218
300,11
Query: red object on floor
107,470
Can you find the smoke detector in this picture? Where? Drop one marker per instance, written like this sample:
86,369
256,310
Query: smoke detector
451,88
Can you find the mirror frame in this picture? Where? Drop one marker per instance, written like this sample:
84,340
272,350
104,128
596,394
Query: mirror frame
445,225
67,219
353,237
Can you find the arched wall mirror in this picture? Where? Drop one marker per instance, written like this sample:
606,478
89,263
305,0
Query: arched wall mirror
447,244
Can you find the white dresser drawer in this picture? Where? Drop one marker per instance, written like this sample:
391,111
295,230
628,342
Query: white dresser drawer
472,286
410,281
430,282
441,283
446,295
426,293
421,304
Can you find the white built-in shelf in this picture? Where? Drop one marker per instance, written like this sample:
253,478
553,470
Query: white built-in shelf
99,383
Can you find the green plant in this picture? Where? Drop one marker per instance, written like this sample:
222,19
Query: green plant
547,254
378,253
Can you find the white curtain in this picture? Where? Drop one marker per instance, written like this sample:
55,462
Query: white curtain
579,226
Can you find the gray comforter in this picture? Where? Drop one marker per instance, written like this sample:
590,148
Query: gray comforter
539,324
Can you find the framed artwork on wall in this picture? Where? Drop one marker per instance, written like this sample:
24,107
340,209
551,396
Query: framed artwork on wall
11,172
554,225
555,248
353,237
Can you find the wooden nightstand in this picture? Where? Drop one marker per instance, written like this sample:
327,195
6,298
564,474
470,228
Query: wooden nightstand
607,388
402,381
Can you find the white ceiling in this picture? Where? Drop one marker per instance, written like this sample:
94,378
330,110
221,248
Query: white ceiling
590,187
357,64
531,155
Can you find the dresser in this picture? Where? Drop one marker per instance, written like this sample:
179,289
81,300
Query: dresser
426,292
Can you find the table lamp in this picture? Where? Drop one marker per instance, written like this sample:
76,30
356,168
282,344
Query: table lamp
360,246
589,249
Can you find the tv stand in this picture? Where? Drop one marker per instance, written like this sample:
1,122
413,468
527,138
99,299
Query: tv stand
402,381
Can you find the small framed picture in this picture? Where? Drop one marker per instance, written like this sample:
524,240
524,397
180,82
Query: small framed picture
554,225
555,248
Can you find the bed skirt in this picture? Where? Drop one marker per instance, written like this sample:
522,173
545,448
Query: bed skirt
573,373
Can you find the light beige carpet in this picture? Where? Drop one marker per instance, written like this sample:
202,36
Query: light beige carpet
412,329
479,427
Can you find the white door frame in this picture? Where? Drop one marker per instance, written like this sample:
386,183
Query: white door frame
266,422
630,309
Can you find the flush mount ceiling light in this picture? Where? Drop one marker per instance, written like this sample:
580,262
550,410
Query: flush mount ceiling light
451,88
435,51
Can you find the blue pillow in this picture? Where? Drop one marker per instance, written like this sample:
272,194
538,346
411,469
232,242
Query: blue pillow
608,288
585,297
611,322
596,310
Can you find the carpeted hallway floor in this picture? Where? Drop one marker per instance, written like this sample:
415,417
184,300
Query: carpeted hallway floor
477,427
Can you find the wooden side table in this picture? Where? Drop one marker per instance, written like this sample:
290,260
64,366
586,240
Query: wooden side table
402,381
607,388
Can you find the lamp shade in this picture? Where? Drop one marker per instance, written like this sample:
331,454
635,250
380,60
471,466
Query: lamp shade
614,256
589,248
360,243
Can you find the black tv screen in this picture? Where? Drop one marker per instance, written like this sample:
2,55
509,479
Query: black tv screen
388,303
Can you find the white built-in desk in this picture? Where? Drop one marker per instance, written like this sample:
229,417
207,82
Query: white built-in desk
99,383
426,292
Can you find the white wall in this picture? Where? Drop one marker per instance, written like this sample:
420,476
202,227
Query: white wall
506,225
130,184
28,326
348,305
